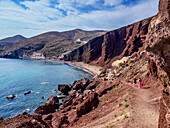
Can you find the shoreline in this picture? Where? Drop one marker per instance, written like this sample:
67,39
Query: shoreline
90,69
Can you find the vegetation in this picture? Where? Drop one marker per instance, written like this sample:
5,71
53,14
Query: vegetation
126,105
126,116
110,125
110,82
124,99
121,68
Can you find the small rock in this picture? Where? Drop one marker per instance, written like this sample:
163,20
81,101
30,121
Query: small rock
11,96
28,92
54,91
1,118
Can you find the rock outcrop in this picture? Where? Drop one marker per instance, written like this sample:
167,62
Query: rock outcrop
49,107
158,50
117,43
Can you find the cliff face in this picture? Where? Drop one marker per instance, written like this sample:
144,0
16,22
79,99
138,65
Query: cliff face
158,50
116,43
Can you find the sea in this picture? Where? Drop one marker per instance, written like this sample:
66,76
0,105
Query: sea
41,77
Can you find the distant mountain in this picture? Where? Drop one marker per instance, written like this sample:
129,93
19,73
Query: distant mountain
51,44
11,40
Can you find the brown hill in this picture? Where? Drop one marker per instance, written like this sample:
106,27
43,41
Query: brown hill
51,44
11,40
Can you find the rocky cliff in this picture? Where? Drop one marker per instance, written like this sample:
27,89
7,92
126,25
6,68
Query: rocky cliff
158,50
116,43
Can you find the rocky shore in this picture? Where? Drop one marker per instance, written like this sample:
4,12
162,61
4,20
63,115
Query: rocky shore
113,99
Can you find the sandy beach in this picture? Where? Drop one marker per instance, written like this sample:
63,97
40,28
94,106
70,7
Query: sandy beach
92,69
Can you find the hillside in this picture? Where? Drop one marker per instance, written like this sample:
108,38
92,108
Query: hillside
11,40
113,98
51,44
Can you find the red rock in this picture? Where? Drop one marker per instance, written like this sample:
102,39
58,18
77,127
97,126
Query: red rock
64,88
90,101
92,85
72,93
59,121
49,106
81,84
47,117
105,89
77,100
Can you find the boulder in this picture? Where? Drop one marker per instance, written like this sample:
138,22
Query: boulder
49,107
45,109
28,92
90,101
54,91
64,88
11,96
59,120
92,85
53,100
81,84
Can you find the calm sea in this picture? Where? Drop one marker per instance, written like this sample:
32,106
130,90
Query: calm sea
39,76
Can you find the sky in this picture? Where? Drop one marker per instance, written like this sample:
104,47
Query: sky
33,17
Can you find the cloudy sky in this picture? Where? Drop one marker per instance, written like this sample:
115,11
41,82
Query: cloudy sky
32,17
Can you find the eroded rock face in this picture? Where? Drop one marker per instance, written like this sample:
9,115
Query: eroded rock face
158,50
120,42
90,101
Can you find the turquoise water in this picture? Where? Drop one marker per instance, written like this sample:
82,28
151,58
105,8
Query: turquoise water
39,76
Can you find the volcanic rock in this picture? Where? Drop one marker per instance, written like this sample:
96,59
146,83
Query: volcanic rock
90,101
11,96
28,92
64,88
49,107
81,84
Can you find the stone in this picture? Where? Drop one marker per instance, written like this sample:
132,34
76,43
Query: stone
28,92
64,88
49,107
59,120
90,101
77,100
54,91
81,84
11,96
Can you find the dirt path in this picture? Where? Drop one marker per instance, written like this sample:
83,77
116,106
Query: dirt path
146,108
143,110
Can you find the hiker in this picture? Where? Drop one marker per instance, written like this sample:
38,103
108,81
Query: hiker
135,80
140,84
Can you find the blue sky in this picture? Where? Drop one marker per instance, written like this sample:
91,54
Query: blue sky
33,17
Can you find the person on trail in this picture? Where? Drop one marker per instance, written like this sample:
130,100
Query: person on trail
139,83
135,80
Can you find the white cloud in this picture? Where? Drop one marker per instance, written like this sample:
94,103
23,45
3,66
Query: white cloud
112,2
41,17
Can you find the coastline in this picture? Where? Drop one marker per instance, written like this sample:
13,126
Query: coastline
91,69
